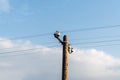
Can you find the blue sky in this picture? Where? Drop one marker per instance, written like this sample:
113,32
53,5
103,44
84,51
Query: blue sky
30,17
24,17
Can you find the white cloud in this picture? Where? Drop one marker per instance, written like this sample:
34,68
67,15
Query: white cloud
96,64
45,64
4,6
4,64
5,43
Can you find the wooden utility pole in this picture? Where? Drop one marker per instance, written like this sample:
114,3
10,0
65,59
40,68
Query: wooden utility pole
66,48
65,58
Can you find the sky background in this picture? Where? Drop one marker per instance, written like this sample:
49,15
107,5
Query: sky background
20,18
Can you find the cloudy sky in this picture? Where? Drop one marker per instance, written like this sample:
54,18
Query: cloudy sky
29,51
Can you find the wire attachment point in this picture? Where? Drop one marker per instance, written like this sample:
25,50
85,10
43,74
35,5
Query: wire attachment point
70,49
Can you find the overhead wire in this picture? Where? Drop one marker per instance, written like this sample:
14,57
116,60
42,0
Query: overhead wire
102,41
14,47
76,43
75,30
104,45
72,44
29,36
65,31
94,38
24,50
31,49
17,51
91,28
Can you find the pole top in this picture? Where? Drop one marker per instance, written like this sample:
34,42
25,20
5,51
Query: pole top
65,38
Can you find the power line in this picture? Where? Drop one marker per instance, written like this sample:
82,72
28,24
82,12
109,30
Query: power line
101,45
89,38
29,36
93,38
55,45
20,50
16,54
24,50
105,37
26,46
84,29
91,28
84,43
78,43
31,49
66,31
17,51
